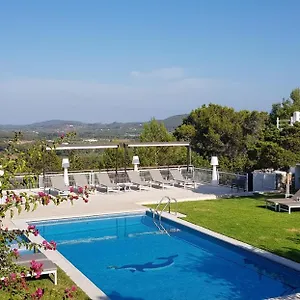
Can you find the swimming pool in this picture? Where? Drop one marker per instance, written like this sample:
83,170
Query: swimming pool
128,257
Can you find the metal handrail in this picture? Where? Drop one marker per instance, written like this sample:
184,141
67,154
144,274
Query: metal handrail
168,204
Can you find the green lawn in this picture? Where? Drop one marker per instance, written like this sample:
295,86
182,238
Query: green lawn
51,291
247,220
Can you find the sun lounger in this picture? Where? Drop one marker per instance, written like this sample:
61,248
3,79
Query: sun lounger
105,181
288,205
274,203
48,266
58,185
80,180
177,176
31,256
135,179
157,178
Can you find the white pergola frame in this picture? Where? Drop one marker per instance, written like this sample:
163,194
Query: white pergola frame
124,145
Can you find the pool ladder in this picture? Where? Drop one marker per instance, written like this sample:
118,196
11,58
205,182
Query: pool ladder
158,213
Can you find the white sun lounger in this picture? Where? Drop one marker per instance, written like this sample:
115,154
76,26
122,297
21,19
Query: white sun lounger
177,176
80,180
105,181
157,178
276,203
135,179
48,266
58,185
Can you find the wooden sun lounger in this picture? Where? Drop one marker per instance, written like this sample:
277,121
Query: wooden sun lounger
48,266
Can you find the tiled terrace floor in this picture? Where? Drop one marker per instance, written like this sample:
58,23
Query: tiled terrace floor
101,203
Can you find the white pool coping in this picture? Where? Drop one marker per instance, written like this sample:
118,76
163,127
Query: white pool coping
266,254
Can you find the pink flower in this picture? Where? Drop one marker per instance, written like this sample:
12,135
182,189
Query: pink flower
49,246
31,227
53,244
36,268
38,294
42,194
74,197
5,280
73,288
80,190
71,189
69,292
16,252
13,276
86,200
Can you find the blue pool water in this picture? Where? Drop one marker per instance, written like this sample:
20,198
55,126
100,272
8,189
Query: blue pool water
130,259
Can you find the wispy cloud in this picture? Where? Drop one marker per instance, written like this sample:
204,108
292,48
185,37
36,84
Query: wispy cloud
26,100
164,73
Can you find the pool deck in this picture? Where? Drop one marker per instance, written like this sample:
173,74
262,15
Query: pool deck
101,204
116,202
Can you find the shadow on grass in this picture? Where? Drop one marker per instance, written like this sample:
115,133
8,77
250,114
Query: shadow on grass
290,253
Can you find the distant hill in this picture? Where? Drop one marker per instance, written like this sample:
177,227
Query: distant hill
53,124
59,125
173,122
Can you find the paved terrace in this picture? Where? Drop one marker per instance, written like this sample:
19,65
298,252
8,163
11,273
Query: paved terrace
114,202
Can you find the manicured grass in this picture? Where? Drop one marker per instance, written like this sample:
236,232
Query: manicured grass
51,291
247,220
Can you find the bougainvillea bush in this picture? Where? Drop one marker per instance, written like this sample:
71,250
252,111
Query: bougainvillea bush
13,277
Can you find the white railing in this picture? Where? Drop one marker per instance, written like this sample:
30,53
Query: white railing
201,175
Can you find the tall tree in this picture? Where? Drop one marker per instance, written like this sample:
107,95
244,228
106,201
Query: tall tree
284,109
220,130
155,131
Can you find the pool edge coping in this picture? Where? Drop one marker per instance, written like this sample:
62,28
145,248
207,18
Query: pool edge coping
234,242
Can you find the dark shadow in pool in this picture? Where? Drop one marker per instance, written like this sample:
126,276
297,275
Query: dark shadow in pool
211,269
117,296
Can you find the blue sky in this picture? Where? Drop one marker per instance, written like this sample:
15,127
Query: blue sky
109,60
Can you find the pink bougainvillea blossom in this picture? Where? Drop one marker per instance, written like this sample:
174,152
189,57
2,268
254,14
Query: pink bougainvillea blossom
36,268
38,294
